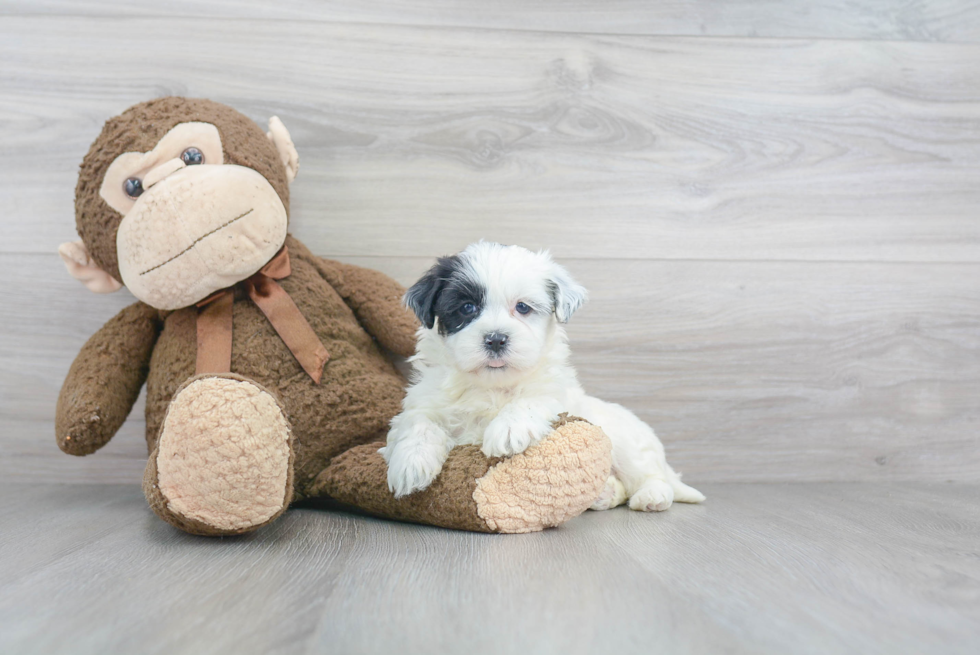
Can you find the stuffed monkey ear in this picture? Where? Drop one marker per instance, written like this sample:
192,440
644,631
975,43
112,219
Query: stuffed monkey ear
280,138
82,268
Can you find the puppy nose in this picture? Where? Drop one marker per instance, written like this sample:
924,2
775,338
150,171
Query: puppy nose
495,342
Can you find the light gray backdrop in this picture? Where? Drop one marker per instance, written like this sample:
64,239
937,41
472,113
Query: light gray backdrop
777,212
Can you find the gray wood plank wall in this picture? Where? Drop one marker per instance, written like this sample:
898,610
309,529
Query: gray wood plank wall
779,225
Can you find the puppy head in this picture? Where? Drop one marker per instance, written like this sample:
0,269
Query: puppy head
495,307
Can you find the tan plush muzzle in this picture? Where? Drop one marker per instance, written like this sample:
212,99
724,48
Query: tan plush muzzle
198,229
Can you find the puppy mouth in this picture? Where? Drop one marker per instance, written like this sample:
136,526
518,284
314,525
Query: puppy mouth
496,363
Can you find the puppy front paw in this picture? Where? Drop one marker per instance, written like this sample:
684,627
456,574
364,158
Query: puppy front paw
413,463
512,433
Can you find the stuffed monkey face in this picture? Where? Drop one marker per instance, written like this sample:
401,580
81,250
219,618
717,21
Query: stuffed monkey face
188,221
191,223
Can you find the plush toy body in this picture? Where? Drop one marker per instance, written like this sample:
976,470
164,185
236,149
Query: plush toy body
266,371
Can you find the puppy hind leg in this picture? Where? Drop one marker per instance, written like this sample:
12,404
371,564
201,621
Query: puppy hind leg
657,485
612,495
647,476
660,485
638,458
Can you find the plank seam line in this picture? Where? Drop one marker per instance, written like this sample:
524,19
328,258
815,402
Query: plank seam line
517,30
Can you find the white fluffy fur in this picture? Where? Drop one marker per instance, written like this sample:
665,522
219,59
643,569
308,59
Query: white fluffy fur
458,398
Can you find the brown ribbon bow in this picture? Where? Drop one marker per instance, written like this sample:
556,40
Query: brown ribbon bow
214,321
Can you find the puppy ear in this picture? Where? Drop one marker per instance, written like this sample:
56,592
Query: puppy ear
567,294
421,298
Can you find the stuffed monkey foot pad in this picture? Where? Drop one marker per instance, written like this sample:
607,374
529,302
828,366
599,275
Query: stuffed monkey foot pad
222,464
547,484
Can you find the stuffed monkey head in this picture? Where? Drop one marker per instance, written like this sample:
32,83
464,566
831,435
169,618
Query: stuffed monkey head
179,198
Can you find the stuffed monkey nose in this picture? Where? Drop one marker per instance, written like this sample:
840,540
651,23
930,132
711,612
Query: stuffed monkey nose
162,171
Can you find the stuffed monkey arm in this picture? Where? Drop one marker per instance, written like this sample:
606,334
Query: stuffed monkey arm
105,379
374,297
377,301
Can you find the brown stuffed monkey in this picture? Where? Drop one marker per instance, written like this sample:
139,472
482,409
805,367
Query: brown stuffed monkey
266,367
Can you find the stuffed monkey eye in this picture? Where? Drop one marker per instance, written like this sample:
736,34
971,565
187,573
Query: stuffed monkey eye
192,156
133,187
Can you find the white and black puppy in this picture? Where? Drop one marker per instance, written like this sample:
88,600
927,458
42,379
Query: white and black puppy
492,368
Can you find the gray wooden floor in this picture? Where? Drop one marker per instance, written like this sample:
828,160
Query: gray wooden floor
761,568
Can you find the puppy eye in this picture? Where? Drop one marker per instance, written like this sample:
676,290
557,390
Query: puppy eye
133,187
523,308
192,156
467,309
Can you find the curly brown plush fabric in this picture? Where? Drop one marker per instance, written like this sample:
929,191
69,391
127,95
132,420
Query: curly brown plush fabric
105,380
229,452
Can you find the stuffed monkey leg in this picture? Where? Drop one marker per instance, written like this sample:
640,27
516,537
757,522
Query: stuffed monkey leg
105,380
224,461
548,484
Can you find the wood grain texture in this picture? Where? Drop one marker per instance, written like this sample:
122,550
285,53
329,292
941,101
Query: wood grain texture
748,370
780,235
842,568
903,20
416,141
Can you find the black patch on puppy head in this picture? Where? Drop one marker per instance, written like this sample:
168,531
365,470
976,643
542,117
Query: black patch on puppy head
421,297
459,291
442,293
